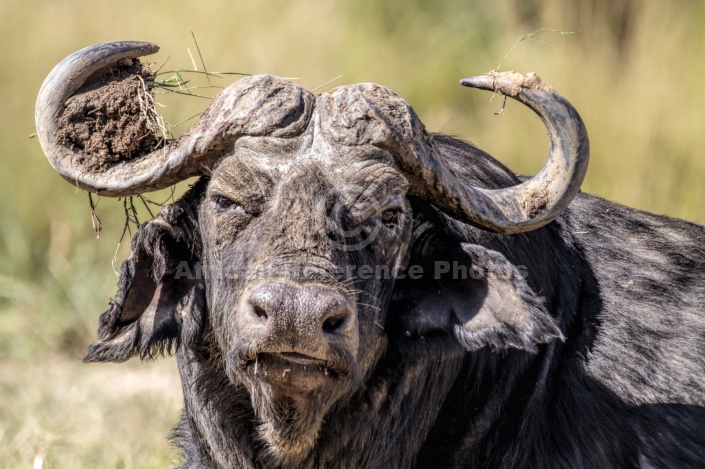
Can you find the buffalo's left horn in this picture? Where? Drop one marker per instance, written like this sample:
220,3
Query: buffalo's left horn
260,105
542,198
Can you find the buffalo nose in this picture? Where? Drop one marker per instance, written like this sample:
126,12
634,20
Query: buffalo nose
301,308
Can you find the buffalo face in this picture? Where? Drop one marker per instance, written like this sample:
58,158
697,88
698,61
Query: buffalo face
299,245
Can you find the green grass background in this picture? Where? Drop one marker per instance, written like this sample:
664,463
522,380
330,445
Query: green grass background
633,68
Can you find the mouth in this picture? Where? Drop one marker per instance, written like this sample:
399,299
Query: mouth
298,358
291,371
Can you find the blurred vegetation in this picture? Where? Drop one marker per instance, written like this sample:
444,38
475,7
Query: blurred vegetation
633,68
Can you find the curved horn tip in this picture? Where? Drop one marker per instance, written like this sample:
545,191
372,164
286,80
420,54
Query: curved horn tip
539,200
92,58
77,67
508,83
133,48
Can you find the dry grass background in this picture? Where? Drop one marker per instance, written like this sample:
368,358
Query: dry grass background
633,68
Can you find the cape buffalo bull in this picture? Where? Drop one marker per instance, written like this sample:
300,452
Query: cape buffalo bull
342,288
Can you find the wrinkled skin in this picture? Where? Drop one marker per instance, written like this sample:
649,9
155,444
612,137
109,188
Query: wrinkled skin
294,258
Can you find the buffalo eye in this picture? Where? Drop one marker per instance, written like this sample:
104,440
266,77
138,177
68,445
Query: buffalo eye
390,216
223,204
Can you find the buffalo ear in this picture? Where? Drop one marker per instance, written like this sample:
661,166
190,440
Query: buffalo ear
161,293
471,297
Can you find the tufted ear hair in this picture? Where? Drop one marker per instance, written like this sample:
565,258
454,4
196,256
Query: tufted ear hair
465,297
160,299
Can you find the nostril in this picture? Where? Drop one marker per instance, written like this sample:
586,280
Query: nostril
260,312
334,323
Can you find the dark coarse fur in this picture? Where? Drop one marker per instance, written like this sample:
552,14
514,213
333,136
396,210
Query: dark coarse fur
614,377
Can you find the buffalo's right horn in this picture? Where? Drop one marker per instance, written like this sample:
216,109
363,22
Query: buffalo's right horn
259,105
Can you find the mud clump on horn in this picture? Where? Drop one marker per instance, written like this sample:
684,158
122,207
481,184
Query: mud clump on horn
111,118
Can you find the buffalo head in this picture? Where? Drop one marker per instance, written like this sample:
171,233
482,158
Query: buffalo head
311,243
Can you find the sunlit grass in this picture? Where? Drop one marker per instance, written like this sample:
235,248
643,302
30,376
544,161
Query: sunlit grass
635,76
57,412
